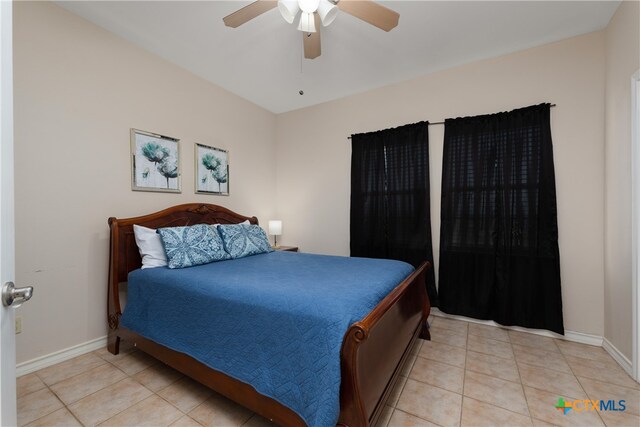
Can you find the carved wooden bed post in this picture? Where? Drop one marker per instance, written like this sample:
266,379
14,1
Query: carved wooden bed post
375,349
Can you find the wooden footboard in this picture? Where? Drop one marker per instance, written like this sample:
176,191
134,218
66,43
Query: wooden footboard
373,352
375,349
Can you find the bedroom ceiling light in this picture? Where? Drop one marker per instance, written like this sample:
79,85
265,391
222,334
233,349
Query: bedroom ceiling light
314,14
326,9
288,9
307,23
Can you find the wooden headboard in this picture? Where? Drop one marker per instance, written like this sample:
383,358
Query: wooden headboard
123,252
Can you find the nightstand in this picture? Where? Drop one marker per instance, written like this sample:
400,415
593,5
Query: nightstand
286,248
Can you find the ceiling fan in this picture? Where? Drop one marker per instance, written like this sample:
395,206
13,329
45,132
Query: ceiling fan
313,13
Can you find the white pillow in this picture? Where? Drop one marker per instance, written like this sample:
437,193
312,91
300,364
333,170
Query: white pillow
150,247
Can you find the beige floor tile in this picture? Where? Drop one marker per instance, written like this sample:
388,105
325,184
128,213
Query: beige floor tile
533,341
217,410
185,394
489,346
598,390
438,374
491,365
443,353
107,356
28,384
258,421
397,390
458,326
540,357
497,392
542,406
60,418
540,423
152,412
619,419
402,419
383,421
446,336
109,401
36,405
404,372
157,377
186,421
480,414
62,371
75,388
431,403
609,371
583,351
486,331
565,385
132,363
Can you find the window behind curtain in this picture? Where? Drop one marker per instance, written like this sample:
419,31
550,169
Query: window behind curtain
390,206
499,255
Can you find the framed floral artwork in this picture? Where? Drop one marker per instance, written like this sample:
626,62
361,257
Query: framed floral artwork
155,162
212,170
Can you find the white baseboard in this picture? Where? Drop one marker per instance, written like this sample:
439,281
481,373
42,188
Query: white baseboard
618,356
59,356
578,337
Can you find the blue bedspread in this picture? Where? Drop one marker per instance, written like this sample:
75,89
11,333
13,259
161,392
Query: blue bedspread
275,321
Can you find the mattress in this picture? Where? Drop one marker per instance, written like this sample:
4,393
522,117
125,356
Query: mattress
275,321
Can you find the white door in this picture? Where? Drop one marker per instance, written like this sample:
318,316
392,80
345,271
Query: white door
7,331
635,173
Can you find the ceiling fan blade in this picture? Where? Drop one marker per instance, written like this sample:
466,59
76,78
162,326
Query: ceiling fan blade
371,12
248,12
311,41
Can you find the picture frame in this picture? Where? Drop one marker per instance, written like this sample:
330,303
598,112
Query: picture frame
211,170
155,162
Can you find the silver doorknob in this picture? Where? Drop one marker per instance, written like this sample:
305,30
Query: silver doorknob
11,294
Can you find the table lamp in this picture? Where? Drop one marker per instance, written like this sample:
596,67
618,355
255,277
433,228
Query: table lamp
275,229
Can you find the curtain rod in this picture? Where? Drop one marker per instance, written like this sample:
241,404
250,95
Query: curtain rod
441,123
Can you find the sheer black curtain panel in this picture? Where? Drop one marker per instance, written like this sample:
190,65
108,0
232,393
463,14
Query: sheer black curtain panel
499,257
390,206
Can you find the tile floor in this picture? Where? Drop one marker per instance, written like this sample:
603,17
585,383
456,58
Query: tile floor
469,375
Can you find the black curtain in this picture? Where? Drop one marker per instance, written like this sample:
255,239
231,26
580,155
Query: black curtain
390,207
499,257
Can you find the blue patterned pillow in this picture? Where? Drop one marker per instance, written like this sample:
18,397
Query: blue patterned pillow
242,240
191,245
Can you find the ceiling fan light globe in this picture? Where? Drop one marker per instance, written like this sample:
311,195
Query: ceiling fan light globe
308,6
327,11
307,23
288,9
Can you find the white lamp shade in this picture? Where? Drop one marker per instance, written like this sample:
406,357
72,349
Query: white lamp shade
307,23
308,6
275,227
327,11
288,9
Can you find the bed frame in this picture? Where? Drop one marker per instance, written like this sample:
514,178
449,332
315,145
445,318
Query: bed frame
373,351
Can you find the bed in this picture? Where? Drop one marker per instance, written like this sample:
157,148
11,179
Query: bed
372,351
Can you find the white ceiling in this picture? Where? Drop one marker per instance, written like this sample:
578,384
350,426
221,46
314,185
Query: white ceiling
262,60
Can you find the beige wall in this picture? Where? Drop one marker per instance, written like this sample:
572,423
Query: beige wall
78,90
622,61
313,161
